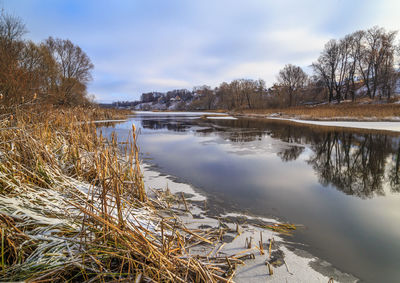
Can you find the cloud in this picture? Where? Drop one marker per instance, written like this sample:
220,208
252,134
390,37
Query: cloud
140,46
166,82
299,44
266,70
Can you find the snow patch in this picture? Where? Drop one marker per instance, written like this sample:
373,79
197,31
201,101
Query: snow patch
382,126
222,118
154,180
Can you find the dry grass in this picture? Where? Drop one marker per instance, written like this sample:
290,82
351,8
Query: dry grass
73,207
345,110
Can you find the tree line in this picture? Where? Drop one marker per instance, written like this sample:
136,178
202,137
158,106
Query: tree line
55,71
361,64
363,59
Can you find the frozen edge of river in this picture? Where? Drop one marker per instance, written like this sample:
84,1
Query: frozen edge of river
393,125
380,126
300,266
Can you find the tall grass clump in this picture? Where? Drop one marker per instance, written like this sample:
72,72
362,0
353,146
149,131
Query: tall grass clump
73,206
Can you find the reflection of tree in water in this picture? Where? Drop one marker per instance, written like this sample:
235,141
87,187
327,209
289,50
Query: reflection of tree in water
170,125
356,164
291,153
248,130
233,130
244,136
353,163
394,172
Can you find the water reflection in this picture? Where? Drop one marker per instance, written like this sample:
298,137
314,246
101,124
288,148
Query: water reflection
165,124
291,153
354,164
359,164
328,179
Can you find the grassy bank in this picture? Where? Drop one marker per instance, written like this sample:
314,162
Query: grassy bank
73,207
342,111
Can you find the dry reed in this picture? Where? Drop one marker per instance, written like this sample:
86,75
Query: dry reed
73,207
342,111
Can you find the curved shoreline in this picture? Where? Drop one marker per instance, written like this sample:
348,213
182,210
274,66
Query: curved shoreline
294,264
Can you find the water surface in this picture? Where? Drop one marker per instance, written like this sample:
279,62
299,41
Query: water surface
342,185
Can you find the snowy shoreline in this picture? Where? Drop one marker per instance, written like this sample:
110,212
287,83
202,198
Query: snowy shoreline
294,265
380,126
393,125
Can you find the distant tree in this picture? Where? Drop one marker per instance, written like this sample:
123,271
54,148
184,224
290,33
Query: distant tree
240,94
377,58
11,28
252,90
326,67
387,74
225,98
333,67
205,97
292,79
147,97
343,69
355,41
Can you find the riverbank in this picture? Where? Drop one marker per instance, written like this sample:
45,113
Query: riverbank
345,111
244,166
265,255
379,117
74,207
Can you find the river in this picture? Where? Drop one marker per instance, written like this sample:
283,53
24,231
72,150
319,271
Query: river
341,185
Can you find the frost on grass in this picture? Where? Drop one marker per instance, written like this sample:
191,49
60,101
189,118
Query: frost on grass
74,207
52,226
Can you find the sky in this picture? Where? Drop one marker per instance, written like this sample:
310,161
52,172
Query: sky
159,45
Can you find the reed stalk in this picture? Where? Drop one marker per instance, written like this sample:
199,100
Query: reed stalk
73,207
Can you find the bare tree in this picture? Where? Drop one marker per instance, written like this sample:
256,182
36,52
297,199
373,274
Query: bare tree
343,69
206,97
11,74
11,28
334,67
292,78
55,69
327,66
73,61
355,40
387,74
38,67
224,96
74,68
376,57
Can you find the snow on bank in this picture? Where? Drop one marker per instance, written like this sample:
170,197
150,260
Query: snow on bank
154,180
293,265
177,113
382,126
221,118
235,215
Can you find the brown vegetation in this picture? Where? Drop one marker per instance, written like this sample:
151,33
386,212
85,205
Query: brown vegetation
73,207
55,71
349,111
